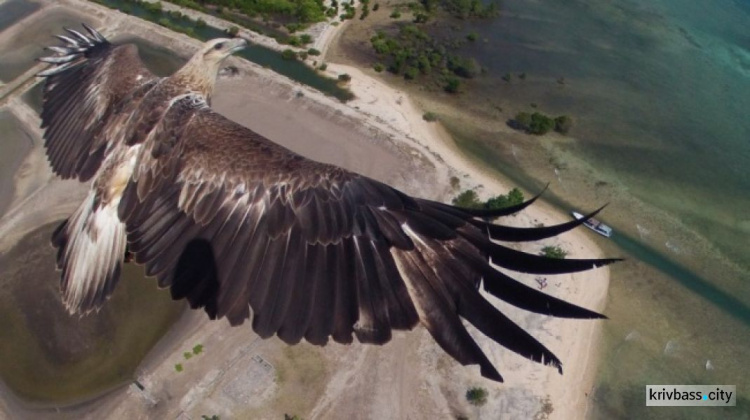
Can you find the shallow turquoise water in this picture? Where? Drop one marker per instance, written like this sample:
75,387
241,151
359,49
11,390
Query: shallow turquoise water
660,92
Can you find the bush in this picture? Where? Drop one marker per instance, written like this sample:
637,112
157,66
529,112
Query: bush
313,51
477,396
411,73
187,355
513,198
289,54
472,36
452,85
323,67
375,7
468,199
378,67
178,367
554,252
523,119
563,124
430,116
344,78
396,14
200,23
305,38
233,30
198,349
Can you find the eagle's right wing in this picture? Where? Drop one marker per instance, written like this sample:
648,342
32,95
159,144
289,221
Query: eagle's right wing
89,83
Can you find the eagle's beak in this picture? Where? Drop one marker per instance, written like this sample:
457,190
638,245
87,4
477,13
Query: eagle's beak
237,44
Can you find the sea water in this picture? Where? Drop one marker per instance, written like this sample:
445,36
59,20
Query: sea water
660,93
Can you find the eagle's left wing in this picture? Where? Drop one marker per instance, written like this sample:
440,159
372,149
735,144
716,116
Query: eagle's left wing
90,80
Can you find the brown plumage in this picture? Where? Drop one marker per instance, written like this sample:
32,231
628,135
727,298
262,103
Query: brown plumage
242,227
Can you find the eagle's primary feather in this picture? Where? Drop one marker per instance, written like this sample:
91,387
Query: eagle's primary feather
242,227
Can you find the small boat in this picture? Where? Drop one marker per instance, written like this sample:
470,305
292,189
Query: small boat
594,225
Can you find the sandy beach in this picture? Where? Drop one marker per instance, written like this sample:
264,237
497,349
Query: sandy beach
382,134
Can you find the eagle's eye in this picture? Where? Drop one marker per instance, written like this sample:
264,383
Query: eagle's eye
219,46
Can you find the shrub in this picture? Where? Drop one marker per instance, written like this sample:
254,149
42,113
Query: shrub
411,73
233,30
522,76
375,7
507,77
200,23
313,51
396,14
187,355
323,67
477,396
378,67
344,78
430,117
554,252
472,36
452,85
563,124
289,54
178,367
305,38
198,349
513,198
468,199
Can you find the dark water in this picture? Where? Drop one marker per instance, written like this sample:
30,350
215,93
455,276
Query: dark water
660,93
262,56
12,11
16,144
20,51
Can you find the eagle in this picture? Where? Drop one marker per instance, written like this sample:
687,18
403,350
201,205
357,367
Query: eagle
247,229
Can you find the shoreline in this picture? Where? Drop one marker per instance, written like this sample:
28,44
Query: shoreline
378,106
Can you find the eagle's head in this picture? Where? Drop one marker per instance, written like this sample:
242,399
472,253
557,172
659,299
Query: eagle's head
216,50
200,72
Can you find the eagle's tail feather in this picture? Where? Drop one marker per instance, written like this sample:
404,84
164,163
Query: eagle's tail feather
90,252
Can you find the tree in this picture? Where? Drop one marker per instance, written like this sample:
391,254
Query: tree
540,124
477,396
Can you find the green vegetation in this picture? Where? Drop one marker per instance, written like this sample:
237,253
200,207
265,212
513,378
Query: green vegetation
513,198
470,199
178,367
345,78
455,182
554,252
472,36
233,30
378,67
198,349
187,355
413,53
430,116
295,417
376,7
323,67
461,9
289,54
313,51
396,14
563,123
538,123
477,396
214,417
